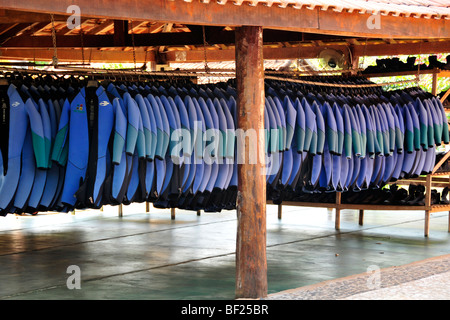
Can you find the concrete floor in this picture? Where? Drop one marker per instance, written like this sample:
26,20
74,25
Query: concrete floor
149,256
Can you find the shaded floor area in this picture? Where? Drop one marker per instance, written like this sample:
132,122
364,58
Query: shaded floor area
149,256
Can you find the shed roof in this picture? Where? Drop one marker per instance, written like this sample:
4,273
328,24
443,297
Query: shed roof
437,9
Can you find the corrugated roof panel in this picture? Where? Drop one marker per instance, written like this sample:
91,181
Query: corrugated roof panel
409,8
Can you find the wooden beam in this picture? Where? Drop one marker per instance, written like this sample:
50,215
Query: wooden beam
213,13
409,48
309,52
71,55
251,264
120,33
198,55
13,16
165,38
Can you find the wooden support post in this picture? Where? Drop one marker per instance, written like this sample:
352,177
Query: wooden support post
251,261
337,222
361,217
435,82
280,211
120,209
172,213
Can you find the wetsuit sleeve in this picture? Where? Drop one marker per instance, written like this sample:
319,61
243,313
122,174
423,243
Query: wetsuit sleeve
320,129
409,131
140,142
60,146
310,120
423,121
369,131
347,133
291,115
133,124
340,129
300,126
120,128
331,129
416,126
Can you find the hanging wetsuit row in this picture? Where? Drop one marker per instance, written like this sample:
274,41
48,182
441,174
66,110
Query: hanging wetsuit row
353,141
97,145
84,145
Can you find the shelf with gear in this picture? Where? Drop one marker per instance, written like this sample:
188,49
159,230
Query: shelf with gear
422,194
423,199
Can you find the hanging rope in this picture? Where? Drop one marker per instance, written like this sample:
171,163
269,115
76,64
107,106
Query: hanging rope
55,52
82,45
361,64
418,67
204,50
134,47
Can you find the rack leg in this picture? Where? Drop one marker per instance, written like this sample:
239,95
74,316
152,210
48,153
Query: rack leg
120,209
172,213
280,211
337,222
449,221
427,223
147,206
199,213
361,217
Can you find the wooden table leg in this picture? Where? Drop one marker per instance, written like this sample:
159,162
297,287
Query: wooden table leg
337,222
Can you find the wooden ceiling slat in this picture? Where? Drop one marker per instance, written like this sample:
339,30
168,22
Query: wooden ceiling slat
12,32
102,27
